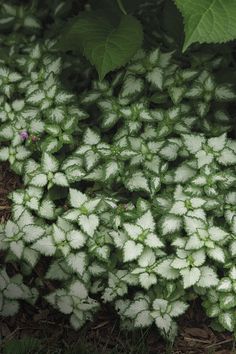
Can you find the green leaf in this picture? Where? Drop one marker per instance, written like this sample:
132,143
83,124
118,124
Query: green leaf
78,289
217,254
138,182
89,223
45,246
65,304
143,319
77,198
49,163
225,285
190,276
13,292
131,86
4,153
208,21
178,308
76,239
111,169
106,46
147,280
166,271
227,301
47,209
163,322
208,278
33,232
60,179
132,250
227,320
40,180
77,262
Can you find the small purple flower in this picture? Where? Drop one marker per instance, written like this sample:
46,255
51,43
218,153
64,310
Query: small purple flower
24,135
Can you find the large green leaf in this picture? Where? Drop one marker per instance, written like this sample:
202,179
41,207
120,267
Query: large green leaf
105,45
208,21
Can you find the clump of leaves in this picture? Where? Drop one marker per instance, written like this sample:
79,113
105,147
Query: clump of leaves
13,290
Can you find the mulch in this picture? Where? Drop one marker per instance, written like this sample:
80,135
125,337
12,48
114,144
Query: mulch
195,335
8,182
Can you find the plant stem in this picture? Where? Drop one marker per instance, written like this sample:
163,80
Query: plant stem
121,6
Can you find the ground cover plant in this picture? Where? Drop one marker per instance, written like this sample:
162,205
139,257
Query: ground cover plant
128,179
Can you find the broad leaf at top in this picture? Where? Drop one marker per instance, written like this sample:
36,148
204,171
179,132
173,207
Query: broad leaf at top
105,45
208,21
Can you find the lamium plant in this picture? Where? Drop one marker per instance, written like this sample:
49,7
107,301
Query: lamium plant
129,184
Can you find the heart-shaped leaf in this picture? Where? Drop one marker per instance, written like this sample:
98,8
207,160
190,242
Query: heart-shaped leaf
132,250
77,262
105,45
89,223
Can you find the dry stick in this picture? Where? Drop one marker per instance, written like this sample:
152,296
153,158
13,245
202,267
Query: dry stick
5,207
100,325
197,340
219,343
49,322
9,336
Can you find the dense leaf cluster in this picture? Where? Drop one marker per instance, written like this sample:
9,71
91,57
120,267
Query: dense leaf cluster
129,186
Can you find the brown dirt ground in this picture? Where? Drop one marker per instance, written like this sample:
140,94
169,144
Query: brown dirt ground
195,335
8,182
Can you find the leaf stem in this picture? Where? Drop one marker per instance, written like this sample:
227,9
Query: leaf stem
121,6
